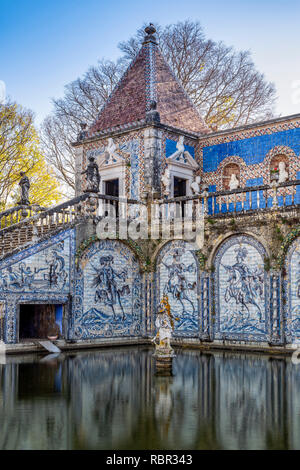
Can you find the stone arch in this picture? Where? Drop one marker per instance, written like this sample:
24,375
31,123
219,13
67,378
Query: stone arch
292,290
177,275
241,290
222,238
131,244
108,298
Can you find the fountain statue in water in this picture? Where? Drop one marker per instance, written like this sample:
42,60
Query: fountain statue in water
165,325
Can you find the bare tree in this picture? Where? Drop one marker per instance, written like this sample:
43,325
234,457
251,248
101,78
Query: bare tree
223,83
82,101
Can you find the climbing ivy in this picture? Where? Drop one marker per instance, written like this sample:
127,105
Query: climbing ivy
285,245
201,258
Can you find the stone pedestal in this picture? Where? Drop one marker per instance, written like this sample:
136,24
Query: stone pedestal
163,358
2,353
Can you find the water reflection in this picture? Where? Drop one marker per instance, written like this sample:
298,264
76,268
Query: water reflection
111,399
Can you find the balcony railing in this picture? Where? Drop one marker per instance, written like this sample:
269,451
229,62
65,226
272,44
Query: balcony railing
23,225
239,201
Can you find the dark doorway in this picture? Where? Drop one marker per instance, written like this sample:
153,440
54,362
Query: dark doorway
38,321
112,189
179,187
179,191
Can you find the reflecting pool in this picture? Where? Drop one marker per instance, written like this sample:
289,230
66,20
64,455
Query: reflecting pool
111,399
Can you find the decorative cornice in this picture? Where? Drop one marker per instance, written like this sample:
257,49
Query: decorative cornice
251,130
136,126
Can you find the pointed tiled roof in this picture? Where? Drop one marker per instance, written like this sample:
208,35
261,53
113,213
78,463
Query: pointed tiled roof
149,78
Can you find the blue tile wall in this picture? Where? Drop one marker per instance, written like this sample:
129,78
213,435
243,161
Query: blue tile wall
241,290
254,182
293,304
252,150
177,277
42,273
108,293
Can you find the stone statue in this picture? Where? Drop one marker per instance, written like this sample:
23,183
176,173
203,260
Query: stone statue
165,326
283,174
92,176
234,182
152,115
180,149
166,180
195,186
83,133
110,152
25,186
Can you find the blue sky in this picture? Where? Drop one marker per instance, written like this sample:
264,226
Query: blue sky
46,44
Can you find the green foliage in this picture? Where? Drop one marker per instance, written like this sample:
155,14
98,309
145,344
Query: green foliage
267,263
20,151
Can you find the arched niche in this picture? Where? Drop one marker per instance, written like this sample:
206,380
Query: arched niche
292,286
241,290
177,276
274,166
228,170
108,292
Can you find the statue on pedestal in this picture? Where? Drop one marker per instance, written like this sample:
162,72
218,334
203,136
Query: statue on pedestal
166,180
152,116
83,133
110,152
195,186
92,176
234,182
165,326
25,186
179,154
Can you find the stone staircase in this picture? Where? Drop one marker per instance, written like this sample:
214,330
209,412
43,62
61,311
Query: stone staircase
30,224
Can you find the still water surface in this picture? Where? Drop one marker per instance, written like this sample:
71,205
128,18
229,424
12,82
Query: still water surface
111,399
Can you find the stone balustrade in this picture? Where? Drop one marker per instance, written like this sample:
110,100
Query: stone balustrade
18,213
23,225
285,196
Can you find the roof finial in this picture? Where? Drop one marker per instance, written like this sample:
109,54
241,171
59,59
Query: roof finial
150,34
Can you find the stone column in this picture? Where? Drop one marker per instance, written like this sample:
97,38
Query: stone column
152,158
276,320
205,306
150,301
